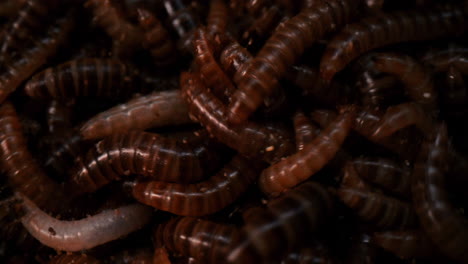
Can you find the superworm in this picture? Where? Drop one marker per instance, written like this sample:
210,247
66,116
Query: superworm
86,233
286,222
26,61
386,173
217,19
405,244
205,241
145,154
386,29
184,21
251,139
382,210
417,80
438,217
210,71
156,38
201,198
298,167
304,129
23,172
281,50
84,77
157,109
264,24
73,258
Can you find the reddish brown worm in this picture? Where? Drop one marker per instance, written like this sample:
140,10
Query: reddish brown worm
184,21
84,77
382,210
441,60
417,80
438,217
250,139
218,17
74,258
161,256
304,129
145,154
292,170
406,244
86,233
386,29
154,110
201,198
280,52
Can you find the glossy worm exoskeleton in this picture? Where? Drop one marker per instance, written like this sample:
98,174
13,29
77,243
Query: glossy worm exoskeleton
406,244
201,198
386,29
145,154
439,218
184,20
86,233
250,139
304,129
297,168
280,52
157,109
218,17
85,77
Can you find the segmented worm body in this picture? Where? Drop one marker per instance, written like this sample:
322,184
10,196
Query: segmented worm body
250,139
205,241
157,109
86,233
438,217
59,116
386,29
263,25
161,256
378,208
386,173
183,20
201,198
304,129
218,17
405,244
452,56
24,62
287,221
73,258
232,58
297,168
376,91
281,51
145,154
84,77
417,81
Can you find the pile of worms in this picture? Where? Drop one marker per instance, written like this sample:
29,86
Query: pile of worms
241,131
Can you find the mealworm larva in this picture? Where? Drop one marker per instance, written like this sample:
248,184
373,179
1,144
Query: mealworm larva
297,168
23,172
217,19
86,233
250,139
233,57
286,223
184,21
263,25
26,61
438,217
161,256
154,110
73,258
405,244
156,38
386,173
201,198
205,241
280,52
376,91
210,71
145,154
378,208
304,129
386,29
417,81
84,77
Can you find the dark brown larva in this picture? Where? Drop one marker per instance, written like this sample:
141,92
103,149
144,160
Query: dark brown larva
250,139
386,29
154,110
406,244
440,60
439,218
286,222
184,21
417,81
281,51
386,173
264,24
201,198
297,168
25,61
218,17
304,129
161,256
145,154
378,208
205,241
376,91
233,57
67,258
